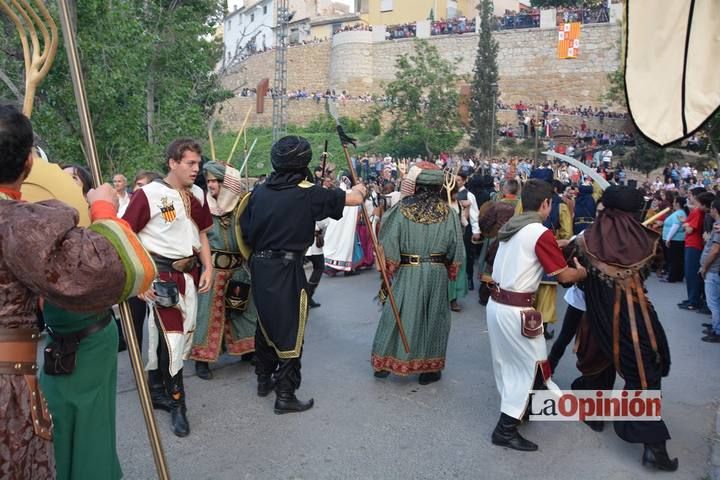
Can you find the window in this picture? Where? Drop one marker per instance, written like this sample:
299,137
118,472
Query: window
264,9
386,5
252,17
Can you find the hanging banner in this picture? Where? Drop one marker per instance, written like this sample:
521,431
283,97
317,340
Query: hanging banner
568,40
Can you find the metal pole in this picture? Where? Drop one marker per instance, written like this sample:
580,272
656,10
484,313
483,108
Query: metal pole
94,164
536,136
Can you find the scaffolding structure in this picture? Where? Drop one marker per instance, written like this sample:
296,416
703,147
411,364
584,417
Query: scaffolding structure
279,94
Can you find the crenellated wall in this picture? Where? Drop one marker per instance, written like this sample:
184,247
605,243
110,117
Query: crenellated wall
359,62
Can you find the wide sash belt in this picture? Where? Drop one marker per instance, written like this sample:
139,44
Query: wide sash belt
226,260
513,299
408,259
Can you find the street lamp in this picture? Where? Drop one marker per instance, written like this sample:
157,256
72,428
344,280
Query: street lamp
493,87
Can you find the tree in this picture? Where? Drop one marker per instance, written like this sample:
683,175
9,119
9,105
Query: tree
647,156
423,104
149,74
484,91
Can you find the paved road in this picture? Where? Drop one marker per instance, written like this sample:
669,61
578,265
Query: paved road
365,428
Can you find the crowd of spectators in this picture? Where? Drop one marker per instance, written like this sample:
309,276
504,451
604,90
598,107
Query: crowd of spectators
581,110
454,25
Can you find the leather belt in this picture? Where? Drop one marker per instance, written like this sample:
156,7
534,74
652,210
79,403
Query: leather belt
18,351
270,254
79,334
18,356
513,299
182,265
407,259
225,260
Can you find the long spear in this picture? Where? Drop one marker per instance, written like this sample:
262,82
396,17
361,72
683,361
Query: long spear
125,315
344,140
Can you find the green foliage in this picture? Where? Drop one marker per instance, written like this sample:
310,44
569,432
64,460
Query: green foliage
484,85
373,127
149,75
259,162
647,156
423,104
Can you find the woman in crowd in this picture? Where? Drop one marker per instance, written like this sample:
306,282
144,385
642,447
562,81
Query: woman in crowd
673,236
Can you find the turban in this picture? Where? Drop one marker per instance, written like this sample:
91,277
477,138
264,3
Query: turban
291,153
430,174
215,170
623,198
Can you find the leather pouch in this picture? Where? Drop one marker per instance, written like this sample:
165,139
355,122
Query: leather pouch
167,293
532,324
60,357
237,295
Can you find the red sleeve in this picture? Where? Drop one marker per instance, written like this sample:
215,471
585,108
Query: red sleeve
137,214
201,215
694,219
549,254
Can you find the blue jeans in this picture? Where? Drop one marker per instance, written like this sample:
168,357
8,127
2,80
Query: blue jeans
693,280
712,297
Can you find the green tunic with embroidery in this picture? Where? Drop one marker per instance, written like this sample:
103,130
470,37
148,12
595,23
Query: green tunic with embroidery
421,225
222,324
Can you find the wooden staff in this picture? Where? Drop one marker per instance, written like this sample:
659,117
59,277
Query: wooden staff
239,134
125,315
344,140
650,220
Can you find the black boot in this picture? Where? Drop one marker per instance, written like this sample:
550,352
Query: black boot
202,369
180,424
471,284
430,377
656,456
266,384
506,435
288,380
158,393
287,402
311,293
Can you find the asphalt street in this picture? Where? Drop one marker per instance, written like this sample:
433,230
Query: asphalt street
366,428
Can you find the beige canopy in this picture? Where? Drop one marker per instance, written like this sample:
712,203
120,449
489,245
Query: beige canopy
672,73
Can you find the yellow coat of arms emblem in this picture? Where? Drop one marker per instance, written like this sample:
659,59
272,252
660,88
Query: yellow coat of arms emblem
167,209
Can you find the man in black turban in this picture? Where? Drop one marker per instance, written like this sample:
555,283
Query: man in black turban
279,225
620,332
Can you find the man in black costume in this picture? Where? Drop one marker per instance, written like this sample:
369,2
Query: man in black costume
620,331
279,225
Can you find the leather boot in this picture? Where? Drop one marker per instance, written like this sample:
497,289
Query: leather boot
266,384
506,435
287,402
288,380
656,456
470,283
429,377
158,394
180,424
202,370
310,293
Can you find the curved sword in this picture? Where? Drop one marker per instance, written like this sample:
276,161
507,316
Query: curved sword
581,166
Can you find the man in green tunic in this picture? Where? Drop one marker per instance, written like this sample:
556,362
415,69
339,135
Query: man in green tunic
226,314
423,248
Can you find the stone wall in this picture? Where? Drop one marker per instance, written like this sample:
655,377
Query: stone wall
357,62
302,112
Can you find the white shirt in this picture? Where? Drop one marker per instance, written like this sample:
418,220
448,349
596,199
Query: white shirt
124,201
474,211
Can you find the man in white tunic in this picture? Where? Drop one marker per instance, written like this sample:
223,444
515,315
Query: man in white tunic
527,251
171,218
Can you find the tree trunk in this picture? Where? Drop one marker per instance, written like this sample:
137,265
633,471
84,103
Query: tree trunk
150,107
